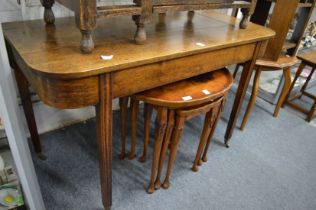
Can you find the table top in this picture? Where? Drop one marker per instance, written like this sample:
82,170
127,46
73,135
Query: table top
54,50
308,56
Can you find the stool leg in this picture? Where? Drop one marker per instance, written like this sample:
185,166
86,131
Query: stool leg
147,117
307,80
236,71
297,75
134,108
123,117
216,116
205,134
176,135
165,144
311,112
285,90
159,134
253,98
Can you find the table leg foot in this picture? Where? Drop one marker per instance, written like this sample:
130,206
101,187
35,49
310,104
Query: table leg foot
41,156
49,16
245,18
140,34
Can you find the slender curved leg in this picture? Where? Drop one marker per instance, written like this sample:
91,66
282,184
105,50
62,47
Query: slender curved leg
104,138
159,135
215,118
165,145
245,18
147,117
285,90
134,113
86,22
253,98
176,135
297,75
236,71
123,119
203,139
23,87
49,16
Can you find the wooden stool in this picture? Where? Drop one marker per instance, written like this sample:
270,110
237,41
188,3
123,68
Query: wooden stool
284,63
176,103
308,59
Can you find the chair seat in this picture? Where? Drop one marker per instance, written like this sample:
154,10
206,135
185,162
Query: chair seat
282,62
189,92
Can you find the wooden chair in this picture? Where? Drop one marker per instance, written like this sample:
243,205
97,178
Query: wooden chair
308,59
176,103
284,63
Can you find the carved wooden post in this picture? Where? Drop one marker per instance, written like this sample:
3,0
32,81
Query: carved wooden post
246,13
141,20
49,17
86,16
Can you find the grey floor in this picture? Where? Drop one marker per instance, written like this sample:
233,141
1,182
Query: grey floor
271,165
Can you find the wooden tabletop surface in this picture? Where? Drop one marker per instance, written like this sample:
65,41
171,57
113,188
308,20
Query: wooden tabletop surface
54,51
308,56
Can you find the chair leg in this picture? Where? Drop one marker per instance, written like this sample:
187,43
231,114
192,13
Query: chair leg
297,75
307,80
236,71
203,139
159,135
285,90
176,135
123,118
134,108
165,144
147,117
253,98
216,116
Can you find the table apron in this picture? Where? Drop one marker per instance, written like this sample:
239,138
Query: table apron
133,80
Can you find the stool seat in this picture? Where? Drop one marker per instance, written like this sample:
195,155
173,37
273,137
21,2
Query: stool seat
189,92
282,62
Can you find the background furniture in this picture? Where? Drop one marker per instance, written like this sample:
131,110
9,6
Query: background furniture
87,11
280,22
66,79
308,59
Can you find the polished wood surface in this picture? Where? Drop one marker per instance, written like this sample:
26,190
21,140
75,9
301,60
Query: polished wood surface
200,89
64,78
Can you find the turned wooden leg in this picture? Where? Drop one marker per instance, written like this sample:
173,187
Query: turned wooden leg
159,135
165,144
311,112
190,16
240,94
285,90
104,138
203,138
49,16
134,113
216,116
123,118
140,34
176,135
245,18
252,99
297,75
86,21
23,87
147,119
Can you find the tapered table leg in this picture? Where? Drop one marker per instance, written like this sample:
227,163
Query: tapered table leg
104,137
23,87
240,95
49,16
